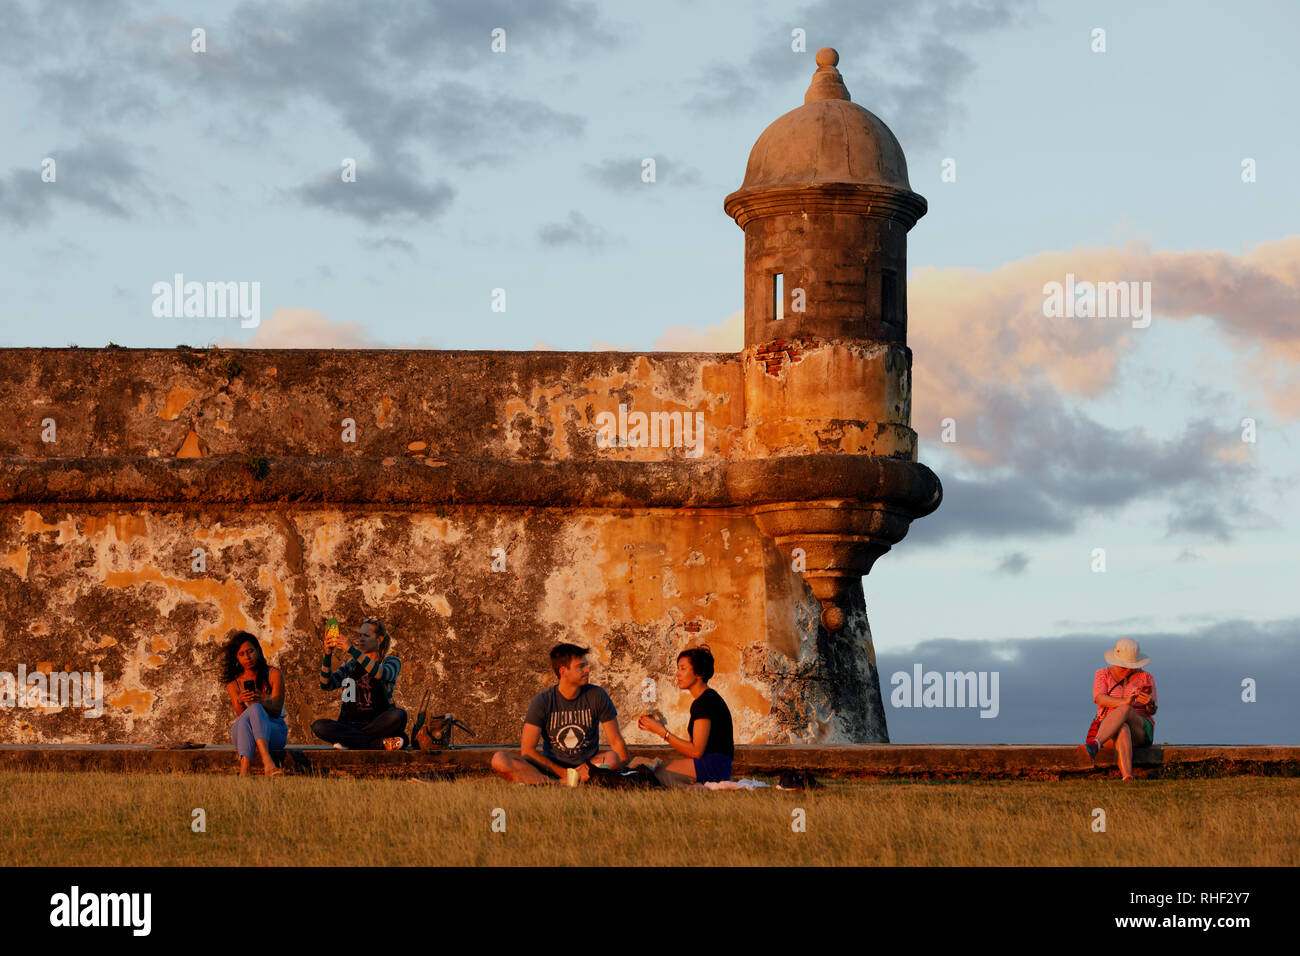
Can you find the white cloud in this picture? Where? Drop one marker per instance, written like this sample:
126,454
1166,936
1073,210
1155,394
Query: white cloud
727,336
307,329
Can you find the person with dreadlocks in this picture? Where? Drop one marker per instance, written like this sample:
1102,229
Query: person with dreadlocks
368,720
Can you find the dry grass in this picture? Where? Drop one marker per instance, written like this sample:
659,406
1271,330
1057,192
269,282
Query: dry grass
116,820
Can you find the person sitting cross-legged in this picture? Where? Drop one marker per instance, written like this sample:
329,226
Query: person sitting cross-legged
566,719
368,720
708,748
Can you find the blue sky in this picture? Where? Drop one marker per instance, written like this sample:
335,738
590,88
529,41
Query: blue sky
521,170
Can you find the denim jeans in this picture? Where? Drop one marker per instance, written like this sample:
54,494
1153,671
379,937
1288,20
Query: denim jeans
253,725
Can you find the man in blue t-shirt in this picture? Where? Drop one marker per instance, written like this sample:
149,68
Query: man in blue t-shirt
566,720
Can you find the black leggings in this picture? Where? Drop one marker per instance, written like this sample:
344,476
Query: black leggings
368,736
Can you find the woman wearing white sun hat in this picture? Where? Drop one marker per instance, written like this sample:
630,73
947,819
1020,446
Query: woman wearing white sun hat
1125,695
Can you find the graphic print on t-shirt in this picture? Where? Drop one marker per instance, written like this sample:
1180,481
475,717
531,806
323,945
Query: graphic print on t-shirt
570,728
568,731
365,694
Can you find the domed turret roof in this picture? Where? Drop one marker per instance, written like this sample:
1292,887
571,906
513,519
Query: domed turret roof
827,140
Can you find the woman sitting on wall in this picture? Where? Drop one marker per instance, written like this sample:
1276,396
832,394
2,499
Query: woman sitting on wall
256,692
368,720
1125,696
708,748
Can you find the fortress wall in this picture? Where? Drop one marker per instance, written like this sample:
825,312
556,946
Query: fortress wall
533,406
113,589
634,551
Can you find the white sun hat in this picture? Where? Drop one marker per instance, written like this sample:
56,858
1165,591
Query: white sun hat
1127,654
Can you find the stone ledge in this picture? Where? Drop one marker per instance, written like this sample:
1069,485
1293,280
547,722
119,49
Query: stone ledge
908,487
1042,761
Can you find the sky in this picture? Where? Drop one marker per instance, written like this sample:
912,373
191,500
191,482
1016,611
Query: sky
521,170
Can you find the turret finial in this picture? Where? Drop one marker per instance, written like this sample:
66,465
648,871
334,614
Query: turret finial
827,84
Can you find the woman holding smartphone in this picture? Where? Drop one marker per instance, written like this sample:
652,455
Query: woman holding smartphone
256,691
368,719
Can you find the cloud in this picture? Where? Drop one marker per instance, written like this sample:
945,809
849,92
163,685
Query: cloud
460,29
19,39
623,174
1027,459
389,72
377,67
389,69
1056,466
576,230
727,336
457,120
982,336
97,175
389,242
984,508
306,329
910,40
24,199
296,328
1200,519
381,193
724,90
1045,686
1013,563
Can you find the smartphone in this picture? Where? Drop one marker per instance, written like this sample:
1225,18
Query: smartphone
250,685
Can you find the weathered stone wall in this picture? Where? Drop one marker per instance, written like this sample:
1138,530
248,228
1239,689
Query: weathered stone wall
441,406
114,590
635,552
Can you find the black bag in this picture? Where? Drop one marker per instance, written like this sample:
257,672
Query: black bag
629,778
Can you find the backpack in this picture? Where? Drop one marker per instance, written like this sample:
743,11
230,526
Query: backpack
434,734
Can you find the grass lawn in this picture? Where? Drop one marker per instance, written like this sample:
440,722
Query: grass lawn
145,819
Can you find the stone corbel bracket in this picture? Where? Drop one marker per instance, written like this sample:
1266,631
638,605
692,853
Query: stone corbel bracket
838,539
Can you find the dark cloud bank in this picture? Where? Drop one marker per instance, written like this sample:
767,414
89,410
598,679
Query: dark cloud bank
1045,686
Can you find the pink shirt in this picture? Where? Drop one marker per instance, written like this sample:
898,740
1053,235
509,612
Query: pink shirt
1103,682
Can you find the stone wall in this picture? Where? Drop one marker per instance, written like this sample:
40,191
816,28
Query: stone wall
633,551
441,406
